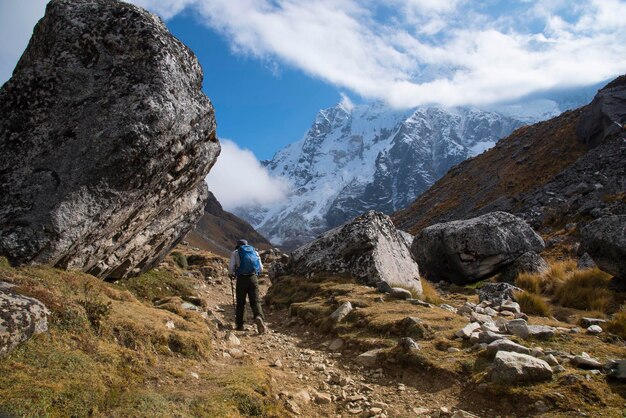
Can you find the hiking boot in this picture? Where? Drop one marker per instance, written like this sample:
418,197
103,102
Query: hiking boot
260,325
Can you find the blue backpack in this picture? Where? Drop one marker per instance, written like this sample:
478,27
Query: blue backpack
249,262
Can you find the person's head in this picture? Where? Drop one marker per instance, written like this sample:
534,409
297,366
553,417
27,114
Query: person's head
241,242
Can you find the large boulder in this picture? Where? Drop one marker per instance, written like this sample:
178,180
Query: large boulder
605,241
368,248
106,139
529,262
470,250
512,368
21,317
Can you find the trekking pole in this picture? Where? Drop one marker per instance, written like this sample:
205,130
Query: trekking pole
232,292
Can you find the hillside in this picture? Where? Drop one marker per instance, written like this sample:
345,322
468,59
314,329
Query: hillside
218,230
553,173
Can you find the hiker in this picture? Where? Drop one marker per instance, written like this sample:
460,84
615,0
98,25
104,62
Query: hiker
245,265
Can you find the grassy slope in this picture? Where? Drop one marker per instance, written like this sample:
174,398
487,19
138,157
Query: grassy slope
132,364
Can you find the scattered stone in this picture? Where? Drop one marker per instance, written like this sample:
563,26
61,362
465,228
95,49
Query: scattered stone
541,406
465,251
506,345
292,407
448,307
420,303
421,411
21,318
541,332
400,293
104,170
512,368
369,248
521,315
453,350
616,369
489,337
584,361
550,359
232,339
369,358
490,311
336,344
480,318
341,312
508,314
302,396
594,330
277,363
587,322
468,330
586,262
170,324
463,414
407,344
518,327
497,293
322,398
510,306
467,308
236,353
383,287
490,326
195,375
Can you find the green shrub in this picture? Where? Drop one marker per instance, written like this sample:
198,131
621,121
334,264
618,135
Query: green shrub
180,259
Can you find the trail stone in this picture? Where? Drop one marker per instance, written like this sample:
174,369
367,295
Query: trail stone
369,358
463,414
605,241
540,332
368,248
21,318
594,330
506,345
322,398
586,362
587,322
335,344
466,251
480,318
497,293
518,327
103,170
232,339
468,330
510,306
341,312
489,337
512,368
399,293
551,360
407,344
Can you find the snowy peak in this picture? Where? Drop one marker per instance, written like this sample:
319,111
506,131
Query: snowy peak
356,158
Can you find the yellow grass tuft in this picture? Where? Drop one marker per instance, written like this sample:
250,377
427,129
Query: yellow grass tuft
429,293
586,289
618,324
532,304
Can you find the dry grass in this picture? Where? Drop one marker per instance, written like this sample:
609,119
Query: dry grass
617,325
547,282
587,290
131,364
429,293
532,304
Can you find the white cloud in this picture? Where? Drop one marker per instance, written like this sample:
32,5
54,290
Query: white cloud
429,51
238,179
17,19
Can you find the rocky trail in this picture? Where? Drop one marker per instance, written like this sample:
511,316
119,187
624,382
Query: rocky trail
316,375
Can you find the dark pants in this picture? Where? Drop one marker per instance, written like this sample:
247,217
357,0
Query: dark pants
247,285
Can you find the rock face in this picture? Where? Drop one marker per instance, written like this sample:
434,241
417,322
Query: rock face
106,140
368,248
598,120
497,293
529,262
470,250
605,241
511,368
21,317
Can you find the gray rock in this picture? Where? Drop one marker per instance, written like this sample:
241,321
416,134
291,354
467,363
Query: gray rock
550,359
103,171
506,345
586,322
480,318
467,308
585,362
616,369
594,330
512,368
488,337
596,124
400,293
447,307
369,358
586,262
541,332
341,312
369,248
467,330
518,327
465,251
407,344
529,262
497,293
605,241
21,317
510,306
383,287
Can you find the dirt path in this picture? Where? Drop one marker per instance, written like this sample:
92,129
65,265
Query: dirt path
315,378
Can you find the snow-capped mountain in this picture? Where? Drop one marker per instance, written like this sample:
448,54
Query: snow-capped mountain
357,158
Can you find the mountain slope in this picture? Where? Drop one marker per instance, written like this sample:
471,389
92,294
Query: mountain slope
218,230
551,173
358,158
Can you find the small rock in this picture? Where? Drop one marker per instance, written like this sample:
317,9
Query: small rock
195,375
467,331
490,311
467,308
506,345
521,315
511,368
594,330
510,306
463,414
232,339
335,344
341,312
322,398
518,327
277,363
585,362
407,344
541,332
302,396
369,358
489,337
400,293
480,318
170,324
616,369
587,322
236,353
453,350
292,407
541,407
447,307
421,411
551,360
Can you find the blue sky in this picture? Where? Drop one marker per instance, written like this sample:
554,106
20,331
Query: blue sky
270,65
